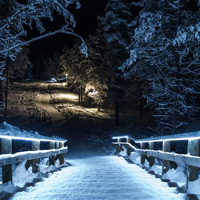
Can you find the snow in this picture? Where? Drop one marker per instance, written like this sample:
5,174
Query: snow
53,80
21,176
123,152
193,187
10,130
100,178
7,187
157,169
177,175
135,158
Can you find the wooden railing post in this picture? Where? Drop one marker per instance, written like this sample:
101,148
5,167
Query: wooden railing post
51,158
6,148
193,149
118,139
166,164
151,159
35,162
128,149
61,157
142,157
118,147
57,145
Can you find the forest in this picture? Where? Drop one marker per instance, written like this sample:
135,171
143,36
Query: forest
144,56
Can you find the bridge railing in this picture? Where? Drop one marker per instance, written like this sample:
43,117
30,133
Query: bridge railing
56,149
148,150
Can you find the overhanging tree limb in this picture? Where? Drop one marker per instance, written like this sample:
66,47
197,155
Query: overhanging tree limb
24,43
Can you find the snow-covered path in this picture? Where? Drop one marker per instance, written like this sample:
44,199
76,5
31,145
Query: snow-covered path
44,99
100,178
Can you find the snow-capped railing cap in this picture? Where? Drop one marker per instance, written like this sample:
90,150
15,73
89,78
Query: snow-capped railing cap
123,137
176,137
33,139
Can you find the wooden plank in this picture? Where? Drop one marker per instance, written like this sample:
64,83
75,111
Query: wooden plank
61,157
166,163
28,164
193,149
29,155
142,156
35,162
51,158
151,159
57,145
128,148
178,158
6,148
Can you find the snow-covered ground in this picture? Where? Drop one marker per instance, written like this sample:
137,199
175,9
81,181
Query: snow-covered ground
68,105
100,178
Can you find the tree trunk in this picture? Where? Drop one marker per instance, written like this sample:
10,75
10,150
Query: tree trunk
161,128
141,104
6,91
99,107
81,95
89,102
1,93
174,121
116,112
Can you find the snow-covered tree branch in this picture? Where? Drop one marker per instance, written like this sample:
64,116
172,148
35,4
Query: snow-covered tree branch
21,17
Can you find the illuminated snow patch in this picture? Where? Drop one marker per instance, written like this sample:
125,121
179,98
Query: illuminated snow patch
69,96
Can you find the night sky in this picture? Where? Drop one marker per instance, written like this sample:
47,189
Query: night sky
86,23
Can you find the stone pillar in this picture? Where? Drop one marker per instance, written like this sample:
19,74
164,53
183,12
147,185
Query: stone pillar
51,158
151,159
193,149
6,148
35,162
166,164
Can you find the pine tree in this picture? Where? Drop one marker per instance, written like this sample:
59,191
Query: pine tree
74,65
164,53
52,68
98,70
19,68
117,34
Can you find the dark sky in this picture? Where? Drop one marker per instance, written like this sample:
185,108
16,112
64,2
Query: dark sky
86,23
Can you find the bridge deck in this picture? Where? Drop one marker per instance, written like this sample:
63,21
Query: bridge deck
100,178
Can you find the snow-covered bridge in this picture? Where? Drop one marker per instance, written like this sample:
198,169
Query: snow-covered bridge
98,176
